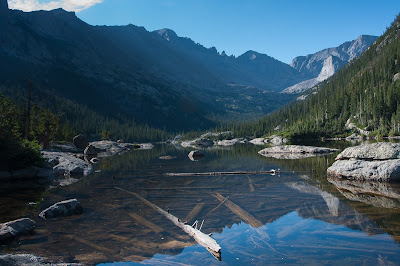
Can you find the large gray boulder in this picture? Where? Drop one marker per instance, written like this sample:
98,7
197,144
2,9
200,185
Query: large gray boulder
386,170
376,162
62,208
294,151
80,141
10,230
63,163
374,151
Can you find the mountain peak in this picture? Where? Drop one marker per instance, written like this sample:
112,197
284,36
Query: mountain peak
251,55
167,34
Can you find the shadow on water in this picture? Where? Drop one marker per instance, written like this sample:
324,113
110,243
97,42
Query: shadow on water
297,217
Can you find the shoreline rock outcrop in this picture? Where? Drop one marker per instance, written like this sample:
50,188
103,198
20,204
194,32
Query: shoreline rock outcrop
13,229
376,161
294,151
64,163
62,208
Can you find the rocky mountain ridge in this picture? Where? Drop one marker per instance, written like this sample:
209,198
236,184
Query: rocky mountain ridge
126,72
323,64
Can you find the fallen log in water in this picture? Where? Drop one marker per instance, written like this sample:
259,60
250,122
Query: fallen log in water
90,244
244,215
192,214
252,189
205,240
145,222
271,172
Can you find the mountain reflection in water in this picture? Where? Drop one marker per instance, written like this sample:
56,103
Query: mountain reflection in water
298,217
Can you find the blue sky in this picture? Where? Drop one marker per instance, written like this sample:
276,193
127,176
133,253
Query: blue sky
282,29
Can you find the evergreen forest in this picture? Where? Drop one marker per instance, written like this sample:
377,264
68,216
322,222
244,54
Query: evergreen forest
366,93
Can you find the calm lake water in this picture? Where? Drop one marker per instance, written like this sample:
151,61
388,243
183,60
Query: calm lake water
297,217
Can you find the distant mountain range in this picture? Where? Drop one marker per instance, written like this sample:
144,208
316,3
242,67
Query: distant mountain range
156,78
362,98
323,64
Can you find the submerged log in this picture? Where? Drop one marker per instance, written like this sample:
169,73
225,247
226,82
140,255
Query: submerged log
205,240
194,212
145,222
244,215
252,189
222,202
89,243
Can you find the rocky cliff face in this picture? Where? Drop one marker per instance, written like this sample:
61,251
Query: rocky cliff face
323,64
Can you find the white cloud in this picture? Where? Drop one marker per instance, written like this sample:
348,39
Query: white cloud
69,5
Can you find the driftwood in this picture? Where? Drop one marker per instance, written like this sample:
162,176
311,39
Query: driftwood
205,240
271,172
194,212
145,222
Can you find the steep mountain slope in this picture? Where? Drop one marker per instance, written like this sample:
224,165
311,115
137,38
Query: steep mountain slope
323,64
155,78
366,92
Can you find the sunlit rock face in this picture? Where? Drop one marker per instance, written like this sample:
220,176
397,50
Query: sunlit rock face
377,161
323,64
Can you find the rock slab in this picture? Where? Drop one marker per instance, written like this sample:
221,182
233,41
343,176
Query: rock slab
388,170
374,151
62,163
62,208
294,151
10,230
375,162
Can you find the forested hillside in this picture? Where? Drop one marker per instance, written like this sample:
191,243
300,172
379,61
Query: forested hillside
365,92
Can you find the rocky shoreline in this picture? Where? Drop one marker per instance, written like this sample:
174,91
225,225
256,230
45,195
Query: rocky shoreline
64,164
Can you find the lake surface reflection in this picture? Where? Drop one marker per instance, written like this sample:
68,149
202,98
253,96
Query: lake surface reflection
296,217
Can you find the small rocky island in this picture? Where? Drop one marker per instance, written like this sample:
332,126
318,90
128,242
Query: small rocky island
294,151
376,162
